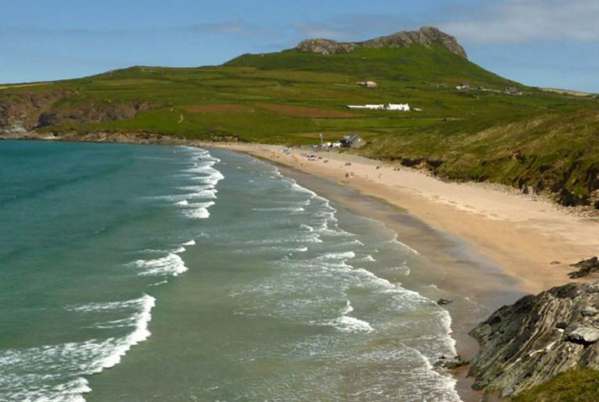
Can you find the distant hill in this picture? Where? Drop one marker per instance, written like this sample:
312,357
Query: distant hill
470,123
424,55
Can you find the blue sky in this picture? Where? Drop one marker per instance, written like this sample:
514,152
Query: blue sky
539,42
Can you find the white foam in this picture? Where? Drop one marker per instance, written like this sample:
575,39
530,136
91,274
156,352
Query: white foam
368,258
307,228
199,213
280,209
349,324
348,309
197,210
205,178
403,245
78,358
375,279
172,265
301,189
190,243
338,256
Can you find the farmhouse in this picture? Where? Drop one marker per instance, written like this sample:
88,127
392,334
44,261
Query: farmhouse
352,141
401,107
395,107
368,84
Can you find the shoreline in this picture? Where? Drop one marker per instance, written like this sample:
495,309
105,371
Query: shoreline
480,271
534,241
449,267
511,243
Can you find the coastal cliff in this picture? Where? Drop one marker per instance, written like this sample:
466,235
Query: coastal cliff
537,338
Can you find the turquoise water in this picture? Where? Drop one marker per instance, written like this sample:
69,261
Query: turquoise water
148,273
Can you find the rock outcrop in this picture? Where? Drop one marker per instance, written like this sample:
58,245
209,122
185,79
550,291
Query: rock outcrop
27,111
91,112
585,268
20,112
426,36
538,337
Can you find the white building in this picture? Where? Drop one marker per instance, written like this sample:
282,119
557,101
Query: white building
395,107
368,84
400,107
367,107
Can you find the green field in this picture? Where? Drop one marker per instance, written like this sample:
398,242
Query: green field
537,139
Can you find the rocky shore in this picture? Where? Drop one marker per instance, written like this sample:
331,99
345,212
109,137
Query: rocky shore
537,338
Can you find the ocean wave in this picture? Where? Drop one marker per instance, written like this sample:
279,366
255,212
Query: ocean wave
338,256
205,179
347,323
395,240
171,265
279,209
368,258
196,210
350,324
75,359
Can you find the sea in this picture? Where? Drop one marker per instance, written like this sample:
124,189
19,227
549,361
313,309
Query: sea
171,273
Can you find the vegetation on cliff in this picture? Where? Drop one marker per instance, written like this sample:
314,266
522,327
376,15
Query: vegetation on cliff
491,129
580,385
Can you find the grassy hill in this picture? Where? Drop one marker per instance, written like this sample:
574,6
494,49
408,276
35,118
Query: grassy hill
521,137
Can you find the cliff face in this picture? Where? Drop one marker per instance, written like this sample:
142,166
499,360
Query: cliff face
538,337
426,36
20,112
28,111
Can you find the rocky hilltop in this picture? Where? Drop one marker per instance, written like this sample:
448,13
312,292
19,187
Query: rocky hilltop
425,36
538,337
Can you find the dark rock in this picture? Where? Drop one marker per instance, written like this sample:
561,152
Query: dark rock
451,364
444,302
589,311
585,268
536,338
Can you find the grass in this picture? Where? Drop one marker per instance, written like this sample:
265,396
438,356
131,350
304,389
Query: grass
581,385
540,139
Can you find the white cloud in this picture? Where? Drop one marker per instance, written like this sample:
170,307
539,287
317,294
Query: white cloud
521,21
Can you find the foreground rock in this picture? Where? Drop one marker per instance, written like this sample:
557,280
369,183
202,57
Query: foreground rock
538,337
585,268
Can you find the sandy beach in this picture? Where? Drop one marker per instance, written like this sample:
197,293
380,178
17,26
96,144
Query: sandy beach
533,240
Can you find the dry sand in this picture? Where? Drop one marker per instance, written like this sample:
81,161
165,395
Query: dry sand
531,239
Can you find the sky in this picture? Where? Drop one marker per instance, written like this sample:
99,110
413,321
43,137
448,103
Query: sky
548,43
